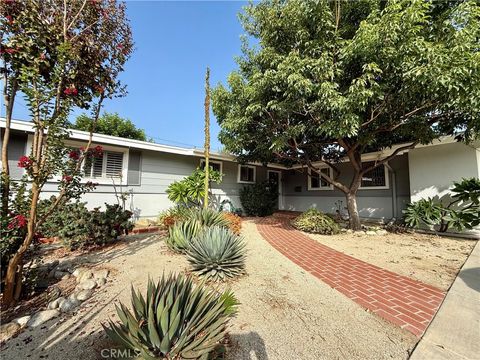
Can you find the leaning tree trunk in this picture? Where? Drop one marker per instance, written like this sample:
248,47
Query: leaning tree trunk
13,278
354,217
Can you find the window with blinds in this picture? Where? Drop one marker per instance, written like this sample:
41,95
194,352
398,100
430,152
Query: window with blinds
109,165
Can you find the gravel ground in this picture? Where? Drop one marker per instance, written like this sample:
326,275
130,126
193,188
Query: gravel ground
285,313
432,259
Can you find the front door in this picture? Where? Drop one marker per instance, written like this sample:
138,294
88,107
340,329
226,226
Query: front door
275,176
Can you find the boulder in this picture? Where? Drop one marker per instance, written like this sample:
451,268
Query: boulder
101,281
42,316
60,274
371,232
382,232
83,295
8,330
78,271
69,305
22,321
87,284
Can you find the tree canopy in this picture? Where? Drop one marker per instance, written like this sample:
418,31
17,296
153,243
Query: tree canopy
110,124
329,79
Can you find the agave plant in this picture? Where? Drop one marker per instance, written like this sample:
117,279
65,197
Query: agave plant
208,217
180,235
217,253
175,320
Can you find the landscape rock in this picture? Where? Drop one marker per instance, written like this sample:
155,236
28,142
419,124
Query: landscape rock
8,330
103,273
87,284
382,232
83,295
42,316
69,305
78,271
22,321
371,232
101,281
66,276
86,275
55,303
60,274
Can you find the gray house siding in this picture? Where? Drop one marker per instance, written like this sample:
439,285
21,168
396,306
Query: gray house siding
372,203
151,172
17,146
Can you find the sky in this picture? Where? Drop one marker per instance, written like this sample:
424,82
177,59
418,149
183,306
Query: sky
175,41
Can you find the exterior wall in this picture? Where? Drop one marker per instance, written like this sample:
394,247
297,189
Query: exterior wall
17,146
433,169
372,203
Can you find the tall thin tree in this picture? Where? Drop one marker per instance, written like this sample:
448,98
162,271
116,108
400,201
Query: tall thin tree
207,136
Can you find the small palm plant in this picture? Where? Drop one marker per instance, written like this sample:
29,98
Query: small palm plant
175,320
217,254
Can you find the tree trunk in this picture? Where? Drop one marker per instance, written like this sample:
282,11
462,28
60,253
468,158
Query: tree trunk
354,217
5,183
13,279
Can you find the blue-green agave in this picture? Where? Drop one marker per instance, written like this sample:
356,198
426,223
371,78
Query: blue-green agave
175,320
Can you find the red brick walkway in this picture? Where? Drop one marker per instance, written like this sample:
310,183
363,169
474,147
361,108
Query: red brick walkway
405,302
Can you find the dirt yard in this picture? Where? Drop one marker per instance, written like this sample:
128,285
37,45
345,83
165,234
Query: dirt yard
285,313
432,259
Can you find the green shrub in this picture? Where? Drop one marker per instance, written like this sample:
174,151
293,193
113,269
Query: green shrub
172,215
217,253
79,227
180,234
176,320
461,211
259,199
316,222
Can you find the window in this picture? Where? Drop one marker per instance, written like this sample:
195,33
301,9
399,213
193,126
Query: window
246,174
316,182
109,165
215,165
376,178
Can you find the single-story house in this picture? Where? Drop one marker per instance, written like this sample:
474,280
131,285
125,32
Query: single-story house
147,169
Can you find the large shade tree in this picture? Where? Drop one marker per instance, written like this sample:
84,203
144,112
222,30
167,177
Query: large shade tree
327,81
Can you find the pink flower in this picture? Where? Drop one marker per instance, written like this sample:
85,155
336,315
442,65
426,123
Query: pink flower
71,91
24,162
18,221
9,19
67,178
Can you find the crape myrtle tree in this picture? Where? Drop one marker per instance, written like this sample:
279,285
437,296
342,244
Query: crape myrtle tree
327,81
58,55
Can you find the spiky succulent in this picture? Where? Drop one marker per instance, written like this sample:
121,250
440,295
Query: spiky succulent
180,235
208,217
175,320
217,253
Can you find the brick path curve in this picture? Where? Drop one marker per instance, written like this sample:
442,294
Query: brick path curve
405,302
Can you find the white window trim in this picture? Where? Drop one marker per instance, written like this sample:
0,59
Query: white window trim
101,180
254,174
385,187
309,180
213,162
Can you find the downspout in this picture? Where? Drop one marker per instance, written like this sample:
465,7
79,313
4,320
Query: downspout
394,190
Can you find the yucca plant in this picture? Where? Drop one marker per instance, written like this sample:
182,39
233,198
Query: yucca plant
217,254
180,235
175,320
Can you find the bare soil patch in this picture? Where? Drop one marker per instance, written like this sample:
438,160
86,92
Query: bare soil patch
434,260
